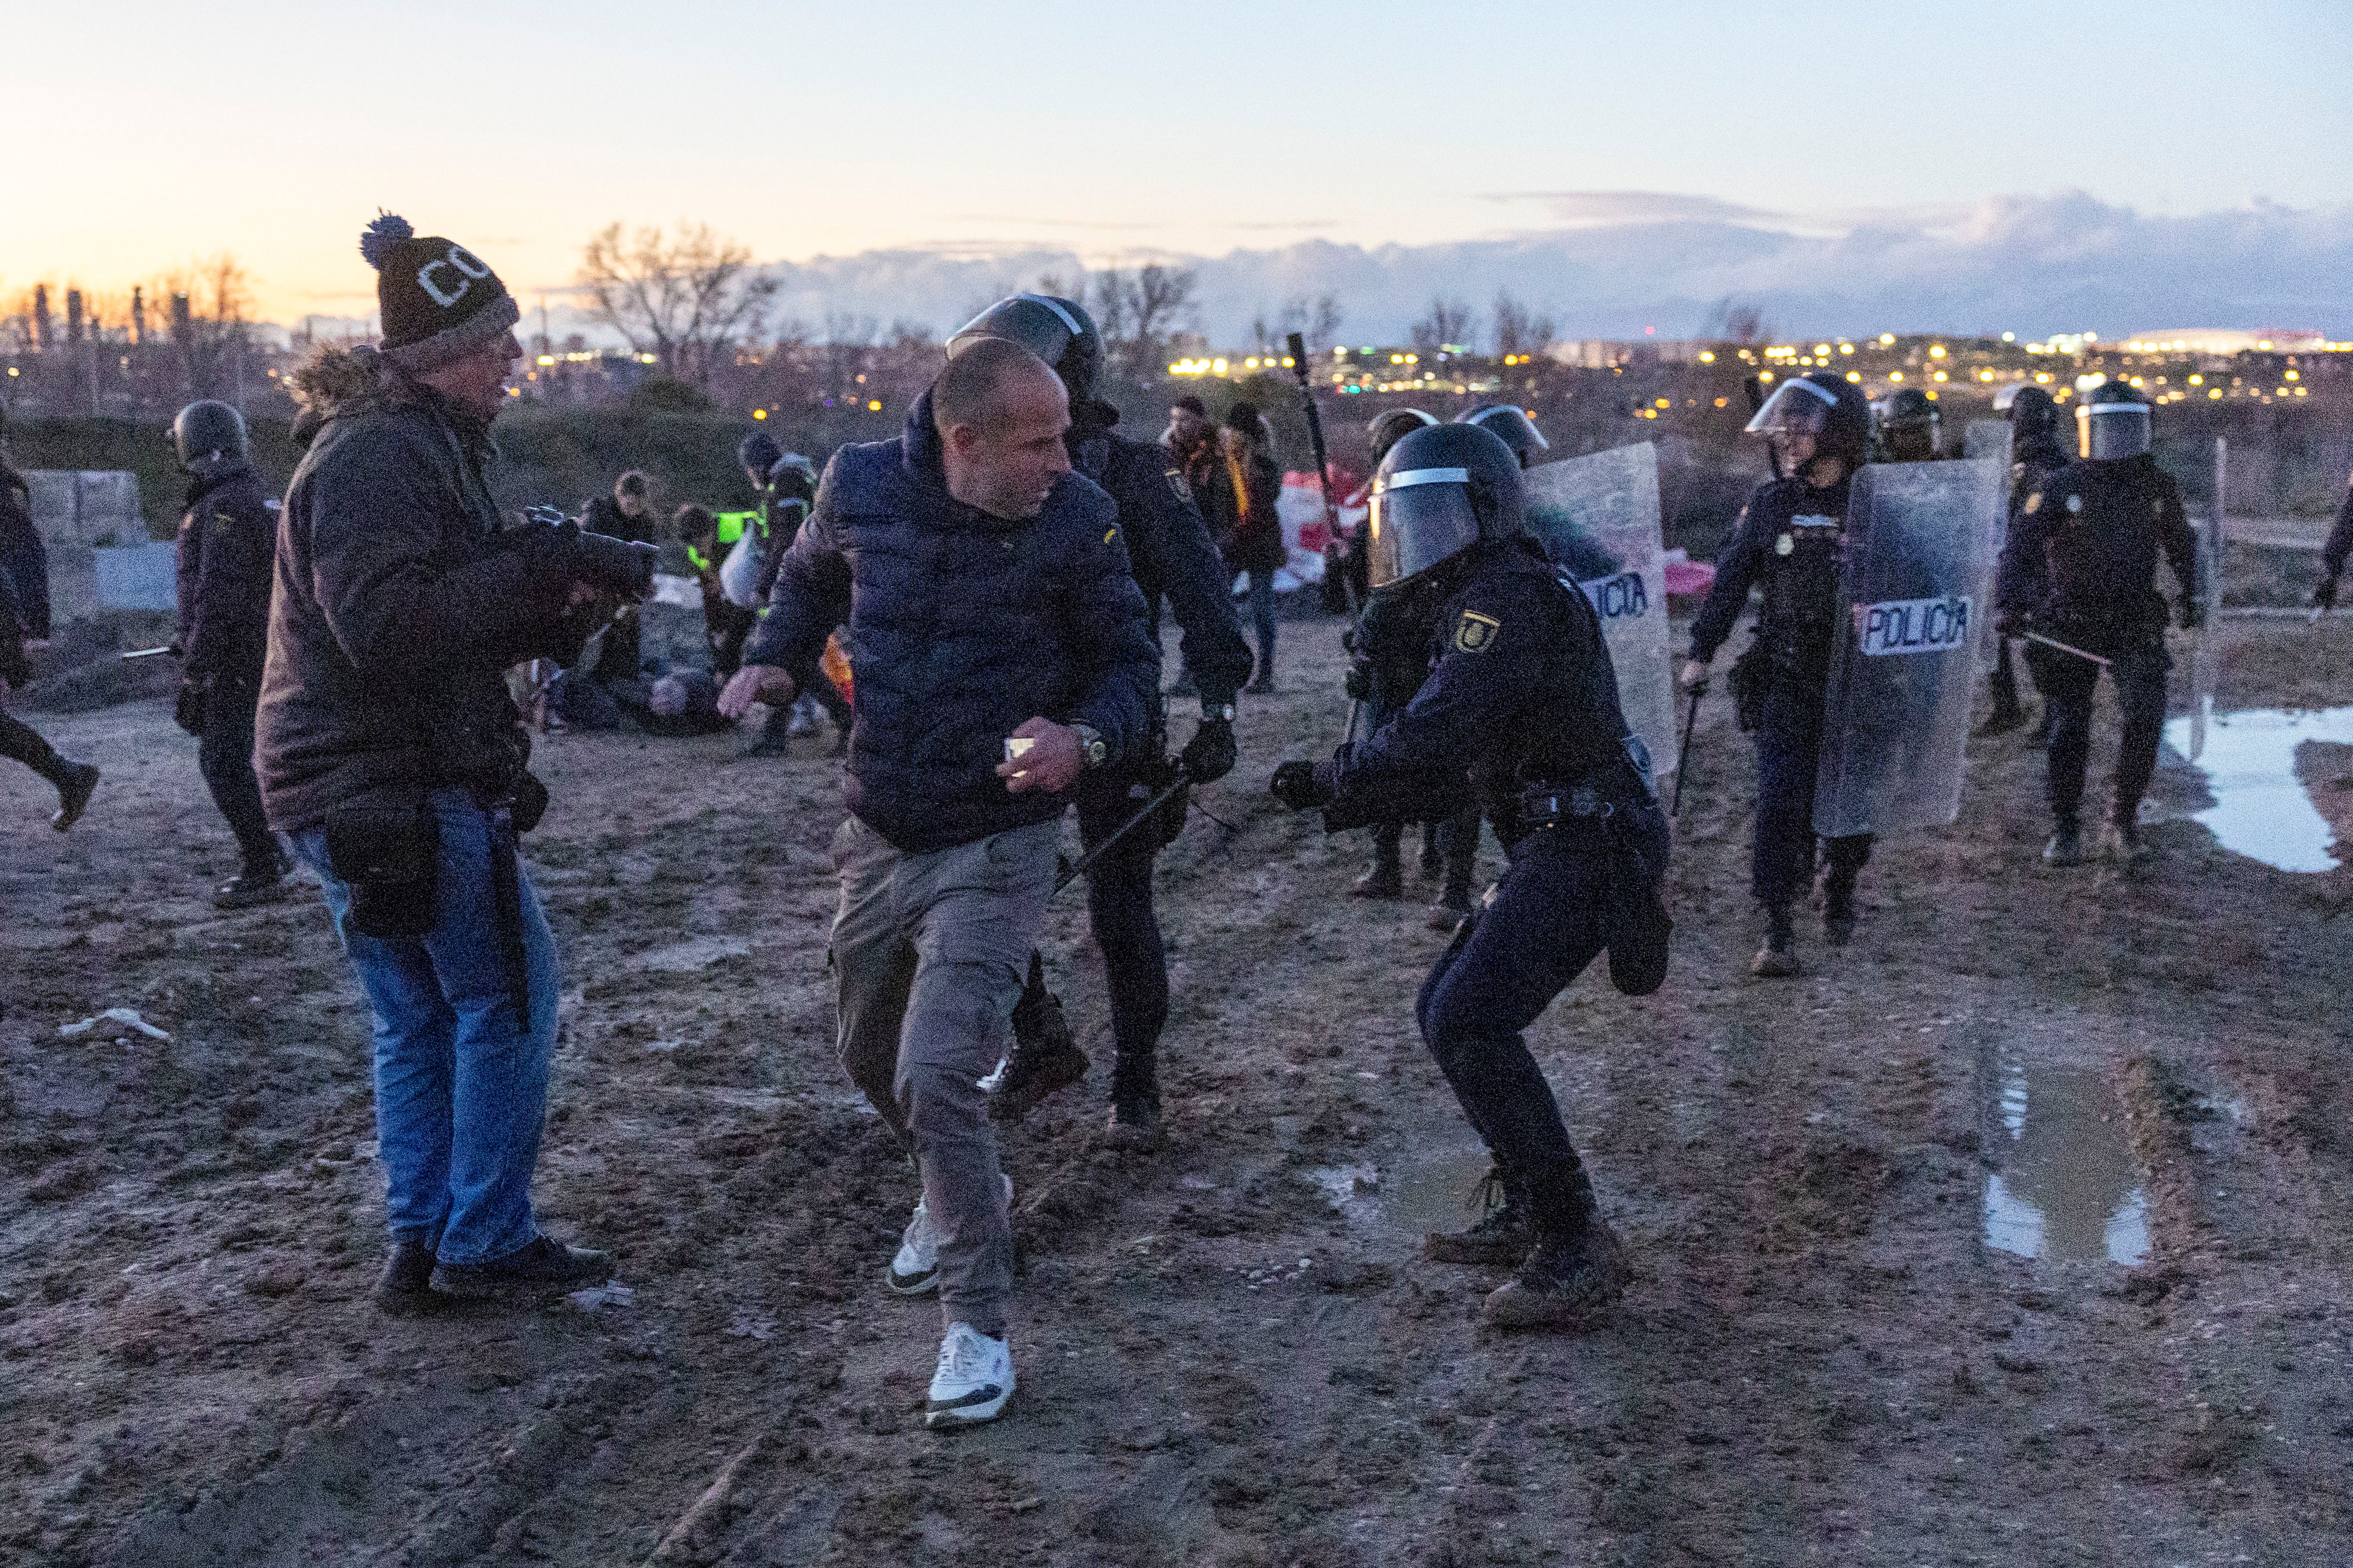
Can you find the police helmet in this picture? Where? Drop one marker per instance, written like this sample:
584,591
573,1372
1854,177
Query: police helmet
1907,422
1519,432
757,453
2031,412
1386,430
1056,329
1824,406
2113,422
210,436
793,477
1440,490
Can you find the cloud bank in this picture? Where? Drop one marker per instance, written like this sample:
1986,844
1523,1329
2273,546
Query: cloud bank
1610,264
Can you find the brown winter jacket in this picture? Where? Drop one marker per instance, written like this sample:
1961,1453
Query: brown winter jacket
398,603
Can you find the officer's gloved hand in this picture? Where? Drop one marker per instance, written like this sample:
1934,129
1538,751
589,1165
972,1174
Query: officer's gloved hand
1210,753
1359,681
1696,672
2192,612
1296,785
2323,597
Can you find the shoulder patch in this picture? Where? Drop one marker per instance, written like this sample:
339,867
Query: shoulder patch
1475,633
1109,534
1176,485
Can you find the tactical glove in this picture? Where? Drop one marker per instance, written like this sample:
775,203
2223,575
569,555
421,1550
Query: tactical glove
2192,612
1359,681
2323,597
188,705
1210,753
1296,785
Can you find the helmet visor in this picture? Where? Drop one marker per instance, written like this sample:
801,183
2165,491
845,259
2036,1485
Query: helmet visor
1796,407
1420,517
2112,430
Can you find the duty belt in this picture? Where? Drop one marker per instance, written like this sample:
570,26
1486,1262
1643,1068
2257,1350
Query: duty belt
1547,806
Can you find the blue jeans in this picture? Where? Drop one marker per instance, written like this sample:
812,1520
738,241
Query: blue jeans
1262,600
461,1080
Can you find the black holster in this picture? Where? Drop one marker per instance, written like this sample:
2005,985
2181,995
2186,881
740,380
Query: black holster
385,846
1746,681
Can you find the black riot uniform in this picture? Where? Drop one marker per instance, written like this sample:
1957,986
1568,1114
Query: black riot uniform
2036,452
1168,550
1522,695
227,541
25,617
1790,541
2081,567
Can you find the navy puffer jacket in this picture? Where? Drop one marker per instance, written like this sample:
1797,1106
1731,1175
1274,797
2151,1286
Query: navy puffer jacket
964,625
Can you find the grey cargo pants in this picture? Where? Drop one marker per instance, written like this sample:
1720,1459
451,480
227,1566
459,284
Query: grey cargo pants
929,952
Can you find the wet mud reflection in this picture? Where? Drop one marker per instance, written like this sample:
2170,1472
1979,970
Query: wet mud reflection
2066,1188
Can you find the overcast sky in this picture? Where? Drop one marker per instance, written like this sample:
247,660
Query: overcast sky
273,129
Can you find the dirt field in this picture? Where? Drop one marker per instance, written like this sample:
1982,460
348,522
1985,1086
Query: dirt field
1230,1351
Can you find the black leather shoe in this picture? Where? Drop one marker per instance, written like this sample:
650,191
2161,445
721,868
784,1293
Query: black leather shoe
404,1287
544,1267
73,795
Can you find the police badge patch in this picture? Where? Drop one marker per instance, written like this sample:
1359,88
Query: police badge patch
1176,485
1475,633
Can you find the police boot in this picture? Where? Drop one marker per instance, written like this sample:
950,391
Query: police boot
2005,716
1572,1276
1263,681
1135,1123
1837,907
2120,840
1043,1060
1505,1230
1453,907
1777,959
256,884
1385,877
2066,845
75,781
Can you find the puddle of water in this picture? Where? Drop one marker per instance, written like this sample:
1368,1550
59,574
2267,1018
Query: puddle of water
2262,810
2067,1189
1436,1191
1344,1184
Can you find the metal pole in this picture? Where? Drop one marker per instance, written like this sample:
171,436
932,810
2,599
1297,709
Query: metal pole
1296,343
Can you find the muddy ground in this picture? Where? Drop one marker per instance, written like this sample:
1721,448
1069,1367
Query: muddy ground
1229,1351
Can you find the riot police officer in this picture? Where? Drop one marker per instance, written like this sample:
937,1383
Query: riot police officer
2036,452
1168,550
1523,696
2333,554
2081,568
1387,660
1789,541
228,536
1907,423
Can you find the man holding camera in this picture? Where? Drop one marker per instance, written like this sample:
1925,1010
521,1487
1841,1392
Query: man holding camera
390,754
1002,654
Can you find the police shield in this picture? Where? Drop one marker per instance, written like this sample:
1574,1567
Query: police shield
1986,438
2203,655
1597,516
1917,582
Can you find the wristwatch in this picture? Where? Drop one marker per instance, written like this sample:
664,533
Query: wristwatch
1091,749
1223,711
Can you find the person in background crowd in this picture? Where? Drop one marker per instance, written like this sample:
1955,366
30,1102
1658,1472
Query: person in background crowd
227,535
25,629
625,514
1251,536
2333,554
725,624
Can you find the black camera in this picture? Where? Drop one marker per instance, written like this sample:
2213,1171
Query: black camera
619,566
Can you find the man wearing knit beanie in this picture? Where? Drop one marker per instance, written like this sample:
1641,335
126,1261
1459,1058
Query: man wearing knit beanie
392,757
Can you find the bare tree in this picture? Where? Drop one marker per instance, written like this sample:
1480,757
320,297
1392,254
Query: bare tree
1163,299
211,327
1519,330
1736,322
1446,325
1317,320
687,297
1110,299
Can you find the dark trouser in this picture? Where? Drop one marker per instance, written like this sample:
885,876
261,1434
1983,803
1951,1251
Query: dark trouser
1119,909
813,683
2068,684
1781,859
1534,932
1261,601
225,758
24,744
1457,840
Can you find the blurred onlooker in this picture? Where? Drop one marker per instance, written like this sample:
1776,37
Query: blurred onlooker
25,626
227,536
787,485
725,624
1253,541
626,513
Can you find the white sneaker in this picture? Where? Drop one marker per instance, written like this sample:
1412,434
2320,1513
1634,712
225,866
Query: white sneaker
915,1268
973,1381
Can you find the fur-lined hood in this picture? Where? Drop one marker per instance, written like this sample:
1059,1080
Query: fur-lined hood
338,381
